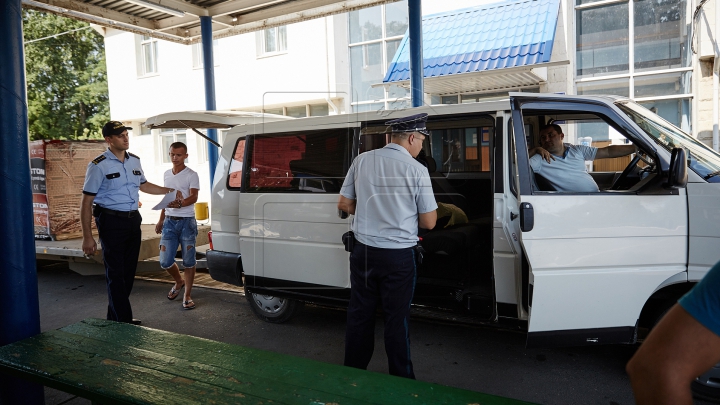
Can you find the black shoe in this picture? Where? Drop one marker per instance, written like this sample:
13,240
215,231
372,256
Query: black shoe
136,321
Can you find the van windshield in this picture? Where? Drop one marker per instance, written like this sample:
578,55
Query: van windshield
701,159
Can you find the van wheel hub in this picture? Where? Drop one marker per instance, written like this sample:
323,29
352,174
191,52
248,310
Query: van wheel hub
268,303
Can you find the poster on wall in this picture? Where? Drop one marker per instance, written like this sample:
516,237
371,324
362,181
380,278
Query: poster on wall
41,217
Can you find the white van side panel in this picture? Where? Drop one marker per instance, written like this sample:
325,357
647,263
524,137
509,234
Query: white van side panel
294,237
505,256
595,259
704,211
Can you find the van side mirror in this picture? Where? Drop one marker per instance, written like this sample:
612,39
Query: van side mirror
677,173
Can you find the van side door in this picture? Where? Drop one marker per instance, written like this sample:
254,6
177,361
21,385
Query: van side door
290,232
594,258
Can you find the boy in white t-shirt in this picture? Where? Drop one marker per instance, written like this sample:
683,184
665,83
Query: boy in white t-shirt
177,224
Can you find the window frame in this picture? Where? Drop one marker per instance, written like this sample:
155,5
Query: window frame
146,40
387,100
261,42
164,153
631,74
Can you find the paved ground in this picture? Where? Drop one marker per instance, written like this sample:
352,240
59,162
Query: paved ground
479,359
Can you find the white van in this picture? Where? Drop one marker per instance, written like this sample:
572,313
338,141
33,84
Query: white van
571,268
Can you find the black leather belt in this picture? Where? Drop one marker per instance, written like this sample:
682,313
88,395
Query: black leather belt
125,214
176,218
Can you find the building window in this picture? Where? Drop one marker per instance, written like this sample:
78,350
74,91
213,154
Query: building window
148,55
197,54
167,138
375,34
319,110
638,49
271,41
297,112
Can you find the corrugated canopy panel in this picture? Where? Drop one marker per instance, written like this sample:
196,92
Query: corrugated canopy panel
493,36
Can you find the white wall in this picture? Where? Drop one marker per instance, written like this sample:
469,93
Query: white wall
314,64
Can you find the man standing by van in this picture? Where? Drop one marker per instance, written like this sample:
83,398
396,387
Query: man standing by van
563,164
110,194
390,194
178,226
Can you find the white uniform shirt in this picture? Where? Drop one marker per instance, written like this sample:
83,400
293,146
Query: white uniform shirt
391,189
183,181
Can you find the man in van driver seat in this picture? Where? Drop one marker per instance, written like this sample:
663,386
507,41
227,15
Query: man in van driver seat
390,194
563,164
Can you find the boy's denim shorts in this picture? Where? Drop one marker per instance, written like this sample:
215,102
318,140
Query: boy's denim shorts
178,232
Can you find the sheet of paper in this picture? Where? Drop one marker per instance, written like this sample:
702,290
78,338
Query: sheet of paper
169,197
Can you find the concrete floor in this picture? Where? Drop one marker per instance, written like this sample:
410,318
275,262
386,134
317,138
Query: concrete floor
475,358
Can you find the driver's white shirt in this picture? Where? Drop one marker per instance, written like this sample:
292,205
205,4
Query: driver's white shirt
568,173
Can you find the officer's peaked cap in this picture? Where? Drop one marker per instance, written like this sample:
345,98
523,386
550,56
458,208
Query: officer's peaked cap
413,123
114,128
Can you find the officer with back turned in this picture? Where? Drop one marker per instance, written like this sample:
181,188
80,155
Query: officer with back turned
112,181
390,194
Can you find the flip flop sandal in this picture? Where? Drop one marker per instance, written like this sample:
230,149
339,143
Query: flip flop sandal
174,293
189,304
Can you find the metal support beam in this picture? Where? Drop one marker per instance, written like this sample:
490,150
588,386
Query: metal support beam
20,316
416,55
209,70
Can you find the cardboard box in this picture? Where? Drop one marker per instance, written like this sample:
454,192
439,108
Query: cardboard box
58,174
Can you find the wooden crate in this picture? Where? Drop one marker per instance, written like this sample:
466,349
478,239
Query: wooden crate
62,164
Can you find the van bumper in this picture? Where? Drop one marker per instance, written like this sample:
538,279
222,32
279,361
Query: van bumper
225,267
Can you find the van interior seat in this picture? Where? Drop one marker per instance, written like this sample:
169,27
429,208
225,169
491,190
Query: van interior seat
443,190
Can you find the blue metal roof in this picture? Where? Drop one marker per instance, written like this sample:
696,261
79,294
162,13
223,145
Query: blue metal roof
493,36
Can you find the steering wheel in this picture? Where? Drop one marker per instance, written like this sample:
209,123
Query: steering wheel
625,173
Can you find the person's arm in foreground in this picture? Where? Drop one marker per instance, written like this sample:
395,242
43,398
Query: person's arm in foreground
613,151
427,220
150,188
677,350
89,246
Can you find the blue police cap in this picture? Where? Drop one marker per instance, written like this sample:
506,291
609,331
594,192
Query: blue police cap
413,123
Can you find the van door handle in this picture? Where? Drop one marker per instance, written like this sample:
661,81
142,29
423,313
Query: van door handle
513,216
527,217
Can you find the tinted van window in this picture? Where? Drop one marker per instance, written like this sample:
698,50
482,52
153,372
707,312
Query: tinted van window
314,161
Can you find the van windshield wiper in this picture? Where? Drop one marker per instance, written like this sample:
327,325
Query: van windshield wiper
713,174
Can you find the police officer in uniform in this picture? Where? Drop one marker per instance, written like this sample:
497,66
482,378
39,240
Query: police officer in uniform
390,194
112,181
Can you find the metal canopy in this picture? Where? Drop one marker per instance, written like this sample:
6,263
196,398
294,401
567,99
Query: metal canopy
179,20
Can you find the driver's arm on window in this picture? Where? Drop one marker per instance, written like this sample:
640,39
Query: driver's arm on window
613,151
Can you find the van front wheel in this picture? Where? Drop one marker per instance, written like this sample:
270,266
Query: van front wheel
273,309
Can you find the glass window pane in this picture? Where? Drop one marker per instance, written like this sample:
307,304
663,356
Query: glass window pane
167,140
391,48
312,162
366,69
602,40
282,38
617,87
149,64
677,112
396,18
400,104
270,40
661,34
235,175
663,85
449,100
319,110
365,24
277,111
297,112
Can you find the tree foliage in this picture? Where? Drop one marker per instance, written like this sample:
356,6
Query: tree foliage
66,78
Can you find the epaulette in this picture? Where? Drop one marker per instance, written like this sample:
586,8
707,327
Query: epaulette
134,155
99,159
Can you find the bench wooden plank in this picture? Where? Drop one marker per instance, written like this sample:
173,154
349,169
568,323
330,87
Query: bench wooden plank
111,362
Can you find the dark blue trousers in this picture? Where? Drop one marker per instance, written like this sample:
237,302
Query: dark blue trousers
387,277
120,239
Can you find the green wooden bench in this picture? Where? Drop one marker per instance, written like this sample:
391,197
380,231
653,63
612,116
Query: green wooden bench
116,363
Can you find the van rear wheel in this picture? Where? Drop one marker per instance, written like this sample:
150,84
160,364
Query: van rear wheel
272,309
